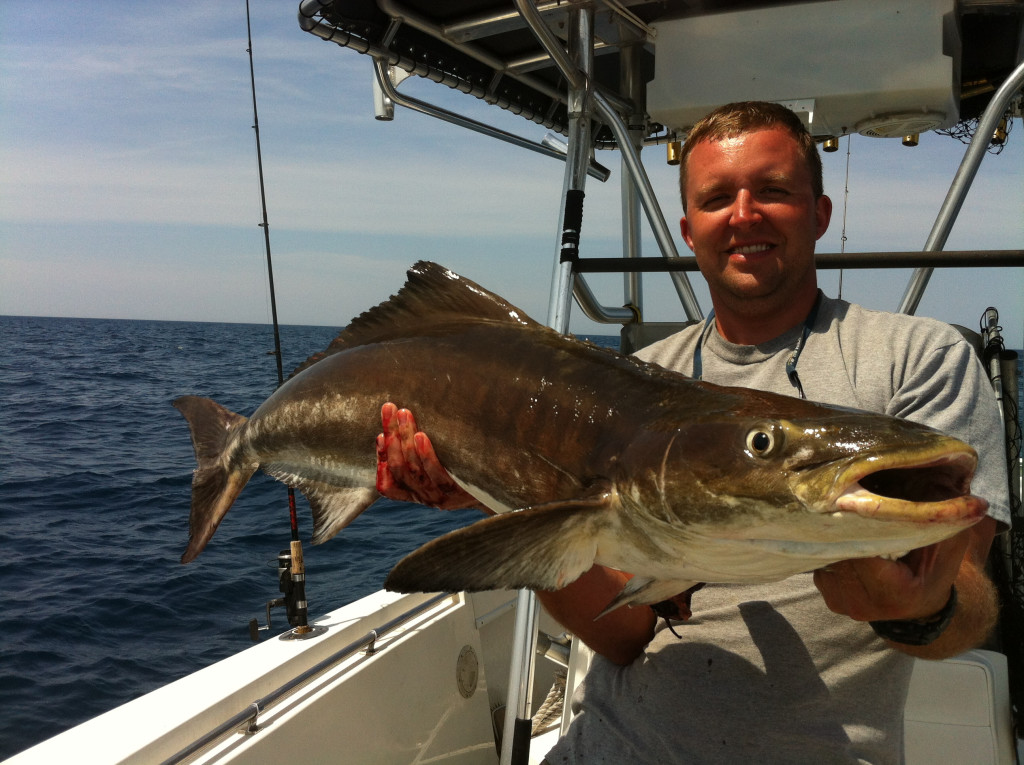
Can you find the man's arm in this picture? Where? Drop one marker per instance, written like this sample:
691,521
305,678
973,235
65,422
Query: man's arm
619,635
917,586
941,383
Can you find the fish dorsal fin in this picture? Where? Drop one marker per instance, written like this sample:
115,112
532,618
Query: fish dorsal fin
431,296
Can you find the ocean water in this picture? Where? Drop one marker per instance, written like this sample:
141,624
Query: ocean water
95,475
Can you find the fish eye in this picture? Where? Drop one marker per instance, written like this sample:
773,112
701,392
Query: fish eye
763,441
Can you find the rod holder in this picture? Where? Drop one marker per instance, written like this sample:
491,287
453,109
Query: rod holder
291,582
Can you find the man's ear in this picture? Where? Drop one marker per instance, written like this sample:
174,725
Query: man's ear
823,214
684,227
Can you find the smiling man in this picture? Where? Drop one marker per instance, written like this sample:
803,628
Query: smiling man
813,669
754,209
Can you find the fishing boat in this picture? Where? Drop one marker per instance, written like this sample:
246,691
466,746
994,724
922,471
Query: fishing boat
482,677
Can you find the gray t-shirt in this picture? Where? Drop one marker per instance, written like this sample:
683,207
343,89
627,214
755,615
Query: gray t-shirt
765,672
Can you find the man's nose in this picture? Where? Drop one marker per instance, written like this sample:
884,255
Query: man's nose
745,210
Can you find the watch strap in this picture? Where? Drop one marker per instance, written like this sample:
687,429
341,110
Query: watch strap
917,631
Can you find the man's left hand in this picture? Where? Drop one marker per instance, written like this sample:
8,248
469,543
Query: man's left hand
917,586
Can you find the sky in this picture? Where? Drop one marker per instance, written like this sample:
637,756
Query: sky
129,188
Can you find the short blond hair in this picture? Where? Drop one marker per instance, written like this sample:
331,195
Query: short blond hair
742,117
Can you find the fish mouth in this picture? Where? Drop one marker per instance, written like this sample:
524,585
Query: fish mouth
925,488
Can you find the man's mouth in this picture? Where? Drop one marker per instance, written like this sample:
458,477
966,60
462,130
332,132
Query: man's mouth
750,249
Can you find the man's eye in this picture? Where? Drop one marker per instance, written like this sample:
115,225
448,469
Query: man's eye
715,202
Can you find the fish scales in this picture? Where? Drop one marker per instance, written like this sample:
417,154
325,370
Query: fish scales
429,374
609,459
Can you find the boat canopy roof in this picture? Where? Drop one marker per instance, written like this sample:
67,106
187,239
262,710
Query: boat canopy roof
878,67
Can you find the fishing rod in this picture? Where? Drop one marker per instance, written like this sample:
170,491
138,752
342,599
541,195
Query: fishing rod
291,562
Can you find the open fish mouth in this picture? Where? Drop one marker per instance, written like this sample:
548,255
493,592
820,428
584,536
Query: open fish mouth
928,490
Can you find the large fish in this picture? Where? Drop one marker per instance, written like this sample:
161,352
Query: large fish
610,459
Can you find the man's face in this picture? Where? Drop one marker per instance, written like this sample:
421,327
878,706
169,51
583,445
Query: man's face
752,219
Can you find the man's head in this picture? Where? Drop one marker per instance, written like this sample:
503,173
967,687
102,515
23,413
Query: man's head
754,209
736,119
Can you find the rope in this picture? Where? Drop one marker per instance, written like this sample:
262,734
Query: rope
550,712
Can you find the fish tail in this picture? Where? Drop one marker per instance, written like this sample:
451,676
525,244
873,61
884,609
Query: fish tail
217,480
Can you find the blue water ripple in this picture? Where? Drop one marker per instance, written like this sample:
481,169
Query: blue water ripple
95,475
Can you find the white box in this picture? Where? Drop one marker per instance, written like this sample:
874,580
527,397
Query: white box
888,67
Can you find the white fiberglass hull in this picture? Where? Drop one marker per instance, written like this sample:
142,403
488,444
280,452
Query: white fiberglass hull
427,691
411,700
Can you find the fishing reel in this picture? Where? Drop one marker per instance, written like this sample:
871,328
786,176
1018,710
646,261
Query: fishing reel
291,582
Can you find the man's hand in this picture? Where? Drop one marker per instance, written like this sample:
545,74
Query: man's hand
913,587
917,586
407,467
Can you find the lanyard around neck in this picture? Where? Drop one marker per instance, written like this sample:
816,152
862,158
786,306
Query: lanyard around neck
794,357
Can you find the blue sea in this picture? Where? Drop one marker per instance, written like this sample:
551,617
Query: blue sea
95,474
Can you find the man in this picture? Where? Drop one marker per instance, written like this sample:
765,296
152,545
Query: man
813,669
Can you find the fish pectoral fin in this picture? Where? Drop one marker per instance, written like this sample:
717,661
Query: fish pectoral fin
643,591
541,548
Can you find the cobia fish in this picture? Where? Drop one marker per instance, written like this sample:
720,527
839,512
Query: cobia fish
609,459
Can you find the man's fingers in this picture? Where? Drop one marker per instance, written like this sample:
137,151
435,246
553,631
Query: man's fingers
392,467
408,468
407,443
387,418
432,468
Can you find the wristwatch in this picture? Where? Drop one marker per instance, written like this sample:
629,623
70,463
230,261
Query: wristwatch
917,631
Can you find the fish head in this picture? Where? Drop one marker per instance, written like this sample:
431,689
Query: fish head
884,470
819,483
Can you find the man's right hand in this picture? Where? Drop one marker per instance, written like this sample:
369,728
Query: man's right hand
408,469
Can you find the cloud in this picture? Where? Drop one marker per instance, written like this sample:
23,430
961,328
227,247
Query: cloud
127,140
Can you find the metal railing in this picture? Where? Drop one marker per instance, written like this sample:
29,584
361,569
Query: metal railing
248,717
962,183
825,260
